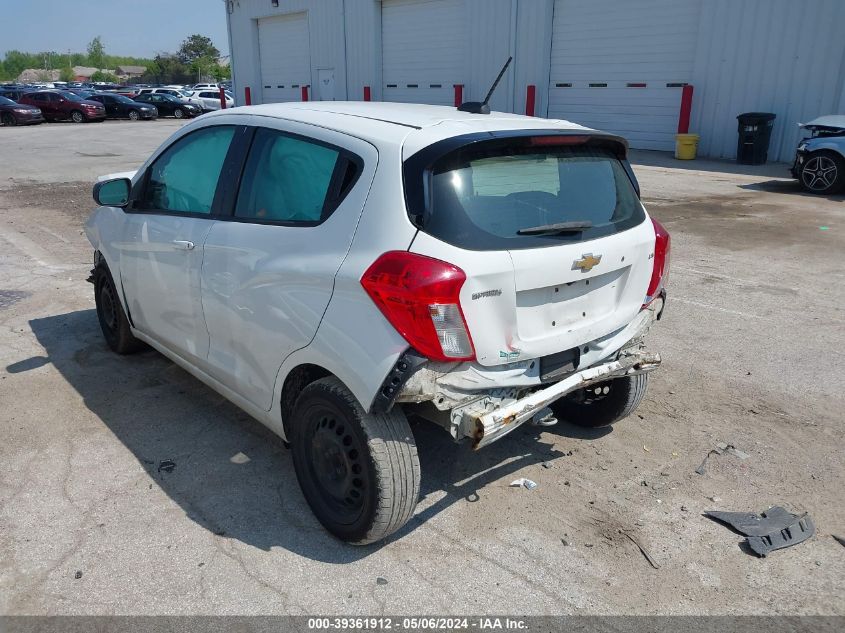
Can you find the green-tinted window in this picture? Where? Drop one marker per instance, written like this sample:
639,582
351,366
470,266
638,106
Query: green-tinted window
184,178
286,179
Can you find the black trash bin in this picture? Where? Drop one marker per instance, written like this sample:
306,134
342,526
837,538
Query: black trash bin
755,130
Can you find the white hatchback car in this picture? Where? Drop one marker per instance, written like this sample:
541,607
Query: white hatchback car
211,99
333,268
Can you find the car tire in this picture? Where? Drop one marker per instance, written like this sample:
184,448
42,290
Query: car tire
110,314
178,113
77,117
358,471
823,173
585,408
133,115
8,120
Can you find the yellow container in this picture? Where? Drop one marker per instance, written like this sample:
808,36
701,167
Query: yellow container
685,146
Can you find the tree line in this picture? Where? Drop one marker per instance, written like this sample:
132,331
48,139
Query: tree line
197,57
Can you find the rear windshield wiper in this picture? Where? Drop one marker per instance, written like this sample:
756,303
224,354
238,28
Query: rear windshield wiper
560,227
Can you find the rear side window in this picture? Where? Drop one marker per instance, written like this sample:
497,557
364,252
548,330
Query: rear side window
288,179
502,195
184,178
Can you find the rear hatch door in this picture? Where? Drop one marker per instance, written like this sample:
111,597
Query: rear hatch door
552,237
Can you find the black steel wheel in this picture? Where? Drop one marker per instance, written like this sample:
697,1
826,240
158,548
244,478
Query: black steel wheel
110,314
603,403
7,119
359,472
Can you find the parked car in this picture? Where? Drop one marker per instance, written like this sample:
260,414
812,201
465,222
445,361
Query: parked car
335,268
179,93
12,113
168,105
59,105
120,107
820,159
197,87
14,92
211,99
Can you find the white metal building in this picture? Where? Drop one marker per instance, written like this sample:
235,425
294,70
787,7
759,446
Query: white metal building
618,65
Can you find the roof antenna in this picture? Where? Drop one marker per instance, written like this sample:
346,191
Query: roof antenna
474,107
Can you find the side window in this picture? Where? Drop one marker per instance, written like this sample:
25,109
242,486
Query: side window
184,178
286,179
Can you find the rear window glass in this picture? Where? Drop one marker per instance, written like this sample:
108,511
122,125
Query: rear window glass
499,196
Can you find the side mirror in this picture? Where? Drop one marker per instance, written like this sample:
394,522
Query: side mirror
112,193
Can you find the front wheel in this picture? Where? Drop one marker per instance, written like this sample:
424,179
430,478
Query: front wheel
603,403
359,472
823,172
77,117
7,119
110,314
178,113
133,115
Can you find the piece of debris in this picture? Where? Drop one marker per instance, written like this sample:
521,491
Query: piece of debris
720,449
546,464
239,458
381,580
565,542
839,539
566,483
78,574
646,448
168,466
715,499
776,528
684,509
642,549
588,544
522,482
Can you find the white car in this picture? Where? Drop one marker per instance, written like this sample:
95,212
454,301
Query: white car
334,268
196,87
211,99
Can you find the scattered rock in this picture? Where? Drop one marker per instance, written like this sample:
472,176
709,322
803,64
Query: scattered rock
381,580
565,542
684,509
200,565
78,574
658,486
546,464
588,544
566,483
603,467
664,474
714,499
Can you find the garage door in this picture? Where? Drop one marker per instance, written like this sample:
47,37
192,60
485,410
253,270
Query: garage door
620,66
285,59
423,49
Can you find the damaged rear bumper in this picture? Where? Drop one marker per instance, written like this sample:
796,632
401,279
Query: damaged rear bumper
486,428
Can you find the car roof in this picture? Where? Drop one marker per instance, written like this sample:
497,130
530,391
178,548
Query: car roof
411,124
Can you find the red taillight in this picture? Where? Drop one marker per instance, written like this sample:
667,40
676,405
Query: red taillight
420,296
660,272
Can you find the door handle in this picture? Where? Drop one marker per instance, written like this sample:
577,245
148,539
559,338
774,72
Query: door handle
184,245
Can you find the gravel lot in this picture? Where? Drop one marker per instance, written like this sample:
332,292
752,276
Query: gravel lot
752,342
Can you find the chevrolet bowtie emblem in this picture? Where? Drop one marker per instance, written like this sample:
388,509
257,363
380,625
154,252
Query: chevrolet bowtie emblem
586,263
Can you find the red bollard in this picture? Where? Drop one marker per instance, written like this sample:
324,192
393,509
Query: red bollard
530,97
305,93
367,94
222,98
686,109
459,94
247,96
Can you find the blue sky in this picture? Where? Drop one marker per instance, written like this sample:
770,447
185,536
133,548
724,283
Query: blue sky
139,28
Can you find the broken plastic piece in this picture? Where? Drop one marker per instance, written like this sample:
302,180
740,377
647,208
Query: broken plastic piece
522,482
773,529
